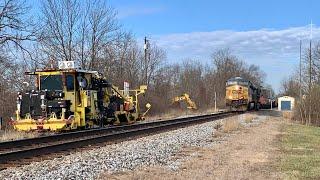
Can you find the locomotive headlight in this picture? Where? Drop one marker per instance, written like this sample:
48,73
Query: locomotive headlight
19,96
43,106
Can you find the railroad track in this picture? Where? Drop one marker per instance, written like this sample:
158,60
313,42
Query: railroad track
14,153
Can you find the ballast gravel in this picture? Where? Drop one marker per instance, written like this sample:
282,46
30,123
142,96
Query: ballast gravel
128,155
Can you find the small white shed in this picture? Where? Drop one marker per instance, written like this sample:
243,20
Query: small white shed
285,103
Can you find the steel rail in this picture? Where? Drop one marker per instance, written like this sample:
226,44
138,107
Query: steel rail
94,136
90,132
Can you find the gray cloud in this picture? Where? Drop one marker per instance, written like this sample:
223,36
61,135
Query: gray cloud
275,51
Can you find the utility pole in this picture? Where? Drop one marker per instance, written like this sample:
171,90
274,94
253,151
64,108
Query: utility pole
215,101
300,74
2,105
146,48
310,76
271,99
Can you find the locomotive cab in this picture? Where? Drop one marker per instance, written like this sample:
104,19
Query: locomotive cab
237,93
241,94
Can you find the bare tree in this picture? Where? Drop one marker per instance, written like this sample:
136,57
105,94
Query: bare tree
290,87
227,65
14,27
191,80
78,30
155,57
98,30
10,80
59,35
307,110
102,28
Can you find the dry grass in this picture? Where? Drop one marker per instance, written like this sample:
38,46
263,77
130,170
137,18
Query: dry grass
217,134
218,126
288,115
174,113
170,114
248,118
9,135
230,124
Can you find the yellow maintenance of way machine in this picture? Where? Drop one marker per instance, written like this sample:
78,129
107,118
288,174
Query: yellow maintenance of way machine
69,98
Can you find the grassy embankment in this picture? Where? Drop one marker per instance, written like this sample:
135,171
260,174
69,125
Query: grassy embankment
300,152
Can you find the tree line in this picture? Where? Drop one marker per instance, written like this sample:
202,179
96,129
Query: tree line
304,86
89,33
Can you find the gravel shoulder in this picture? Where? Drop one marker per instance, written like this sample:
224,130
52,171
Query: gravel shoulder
194,152
250,153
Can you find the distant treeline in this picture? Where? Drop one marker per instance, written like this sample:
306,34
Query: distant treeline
306,88
89,33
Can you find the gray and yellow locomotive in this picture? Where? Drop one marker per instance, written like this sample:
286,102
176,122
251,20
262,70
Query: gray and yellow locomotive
242,95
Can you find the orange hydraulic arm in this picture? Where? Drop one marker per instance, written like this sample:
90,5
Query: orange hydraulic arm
185,97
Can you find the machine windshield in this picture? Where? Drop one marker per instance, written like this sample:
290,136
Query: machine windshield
51,82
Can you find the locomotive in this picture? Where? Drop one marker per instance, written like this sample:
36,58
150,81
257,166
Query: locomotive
242,95
67,98
266,99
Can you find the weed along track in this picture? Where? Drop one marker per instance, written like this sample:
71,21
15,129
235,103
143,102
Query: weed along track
15,153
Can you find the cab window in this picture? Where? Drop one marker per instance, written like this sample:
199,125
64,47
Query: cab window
51,82
70,82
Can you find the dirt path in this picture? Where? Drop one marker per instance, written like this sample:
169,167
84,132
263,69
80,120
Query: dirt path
247,154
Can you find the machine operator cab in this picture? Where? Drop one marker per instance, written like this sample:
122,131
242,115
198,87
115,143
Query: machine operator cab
69,98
